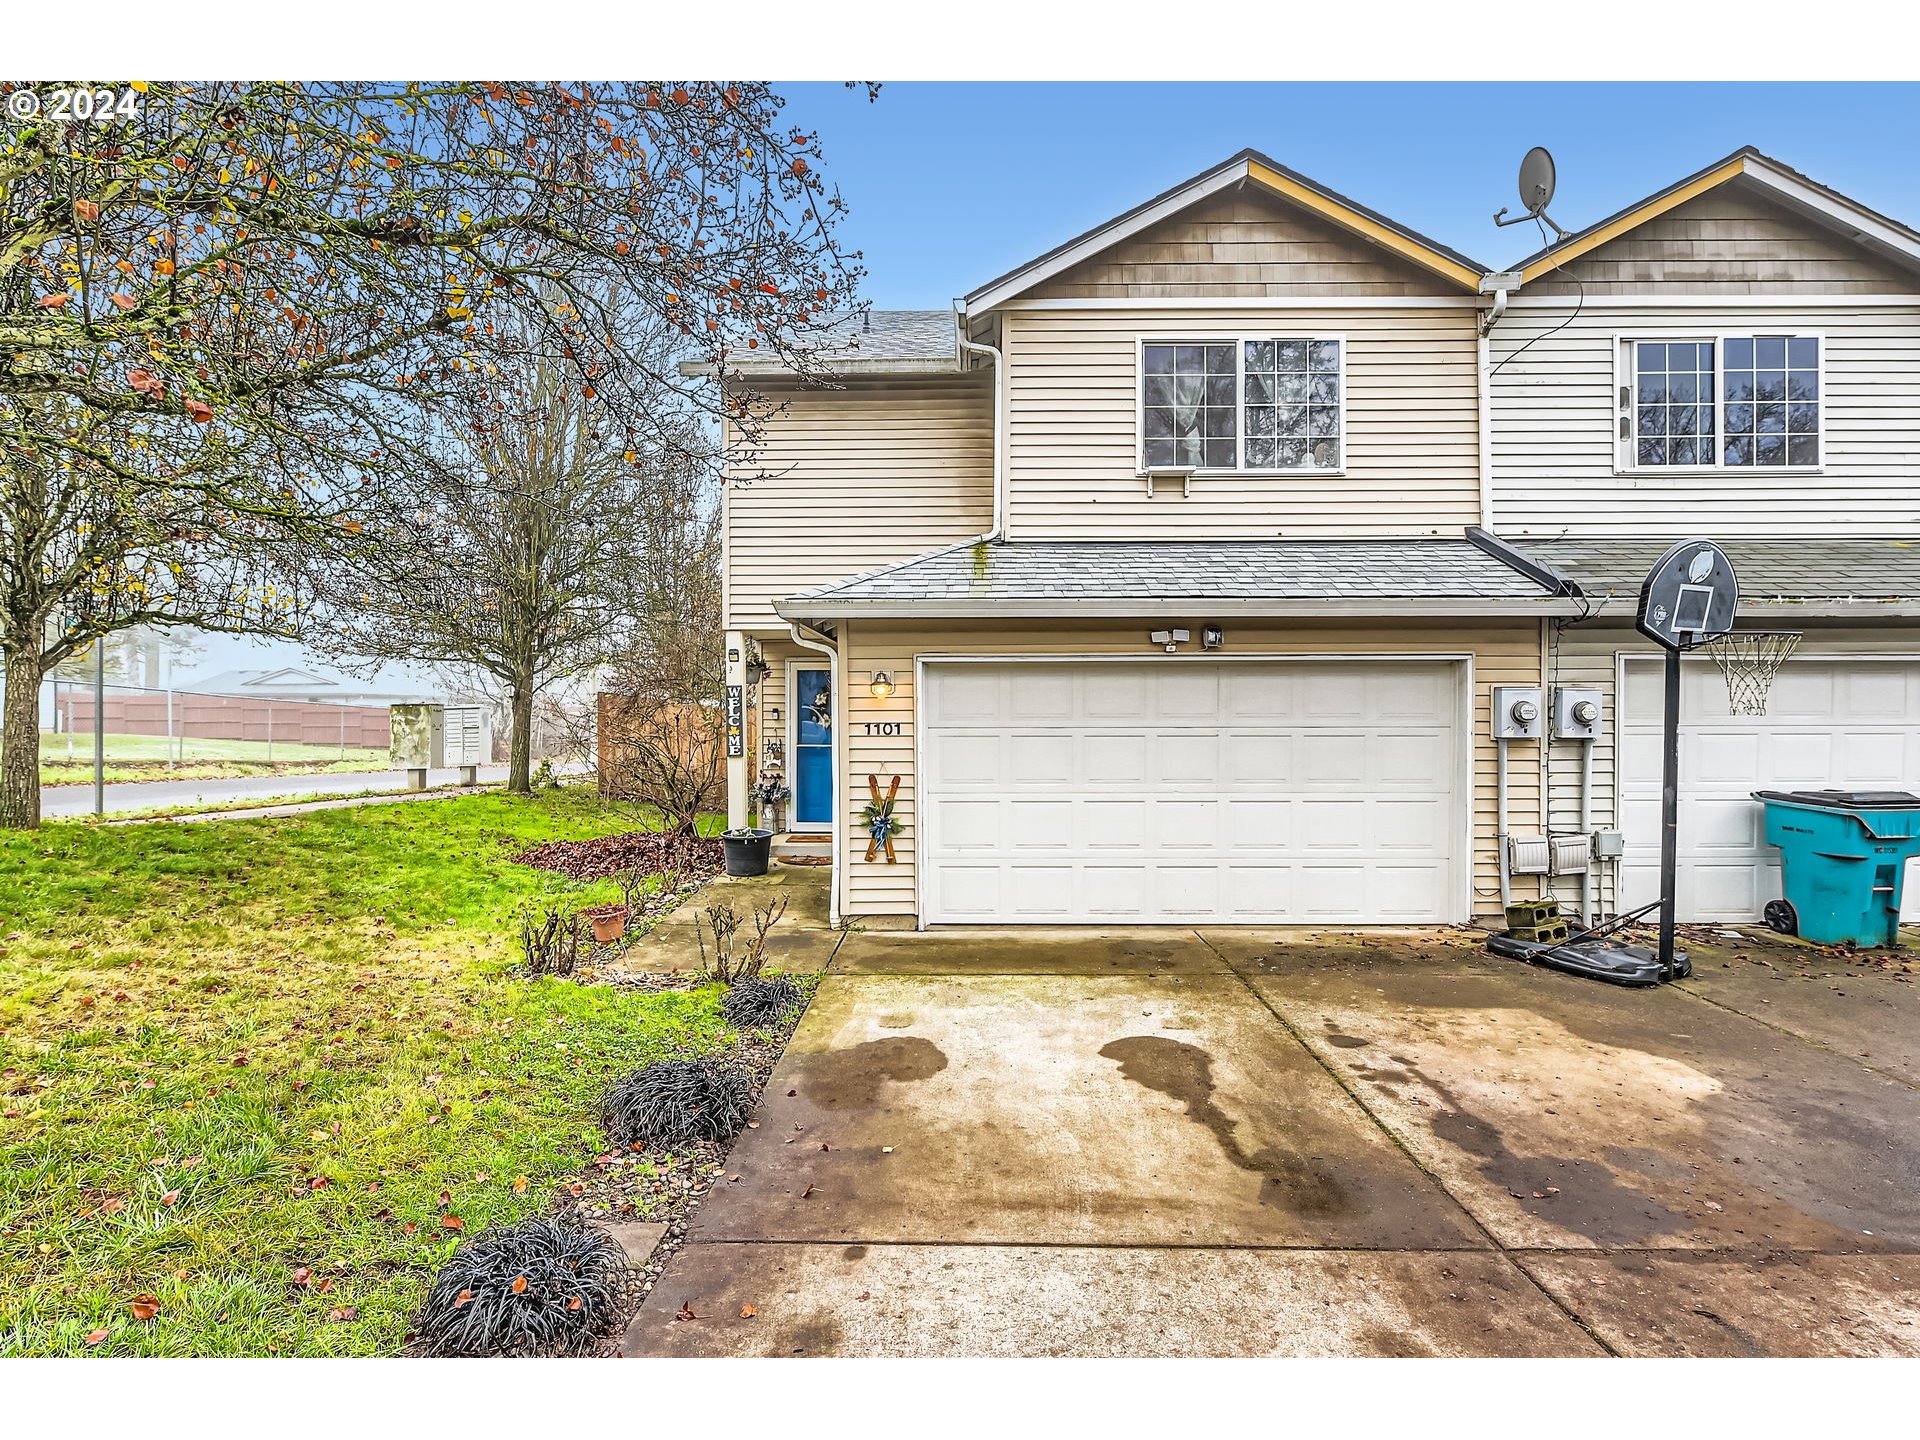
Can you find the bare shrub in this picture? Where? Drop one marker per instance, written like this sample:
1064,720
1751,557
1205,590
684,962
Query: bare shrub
734,959
550,942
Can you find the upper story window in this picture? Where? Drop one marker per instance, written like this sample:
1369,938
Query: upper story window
1274,403
1728,401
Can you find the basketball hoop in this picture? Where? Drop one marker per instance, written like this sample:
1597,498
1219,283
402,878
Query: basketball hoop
1750,659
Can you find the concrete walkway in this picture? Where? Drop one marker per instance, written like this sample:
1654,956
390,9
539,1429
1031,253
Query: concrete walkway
1166,1142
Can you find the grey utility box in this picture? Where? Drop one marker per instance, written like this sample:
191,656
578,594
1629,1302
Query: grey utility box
1576,714
1516,713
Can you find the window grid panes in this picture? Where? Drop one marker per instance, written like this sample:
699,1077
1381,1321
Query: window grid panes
1749,400
1267,404
1292,403
1673,399
1771,409
1188,405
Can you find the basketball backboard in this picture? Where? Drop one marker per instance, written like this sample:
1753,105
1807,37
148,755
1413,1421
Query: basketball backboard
1689,596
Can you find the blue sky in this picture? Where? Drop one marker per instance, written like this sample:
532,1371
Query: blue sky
950,185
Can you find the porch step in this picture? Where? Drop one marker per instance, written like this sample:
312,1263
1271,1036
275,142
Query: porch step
815,845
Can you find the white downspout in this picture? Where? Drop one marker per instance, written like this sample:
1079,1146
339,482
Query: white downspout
966,346
1483,350
837,819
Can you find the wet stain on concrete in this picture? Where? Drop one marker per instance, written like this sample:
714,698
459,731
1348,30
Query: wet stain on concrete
852,1078
854,1252
1346,1042
1598,1206
1184,1072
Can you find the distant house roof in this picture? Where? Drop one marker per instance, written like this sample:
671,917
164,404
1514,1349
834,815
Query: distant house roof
866,341
1247,166
1157,577
1847,575
1780,181
239,682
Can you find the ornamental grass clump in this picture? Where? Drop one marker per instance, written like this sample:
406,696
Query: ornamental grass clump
542,1287
762,1000
674,1102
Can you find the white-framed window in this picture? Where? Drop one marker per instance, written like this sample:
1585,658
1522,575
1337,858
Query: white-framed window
1721,402
1243,403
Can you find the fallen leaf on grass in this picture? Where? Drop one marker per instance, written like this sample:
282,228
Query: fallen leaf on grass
303,1276
520,1183
170,1197
343,1312
94,1337
519,1286
452,1222
144,1307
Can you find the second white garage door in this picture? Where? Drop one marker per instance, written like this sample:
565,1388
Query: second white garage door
1830,724
1189,790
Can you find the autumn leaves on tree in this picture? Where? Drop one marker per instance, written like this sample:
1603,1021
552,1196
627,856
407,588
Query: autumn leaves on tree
233,321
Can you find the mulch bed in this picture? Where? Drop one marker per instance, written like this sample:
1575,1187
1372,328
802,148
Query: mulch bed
694,856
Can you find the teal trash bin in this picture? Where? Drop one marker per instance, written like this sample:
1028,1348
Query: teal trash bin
1843,857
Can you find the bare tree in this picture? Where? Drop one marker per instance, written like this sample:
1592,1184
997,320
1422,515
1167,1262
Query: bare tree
226,308
517,550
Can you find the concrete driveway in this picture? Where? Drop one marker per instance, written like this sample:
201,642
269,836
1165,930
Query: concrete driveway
1166,1142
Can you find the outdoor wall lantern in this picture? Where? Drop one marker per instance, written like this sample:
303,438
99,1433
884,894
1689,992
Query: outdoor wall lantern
1212,637
882,685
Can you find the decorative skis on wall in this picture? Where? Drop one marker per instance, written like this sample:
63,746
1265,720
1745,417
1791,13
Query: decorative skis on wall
880,821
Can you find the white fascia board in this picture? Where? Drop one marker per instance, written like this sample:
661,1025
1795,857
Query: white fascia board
1106,235
1512,608
1654,300
832,371
1859,223
1255,302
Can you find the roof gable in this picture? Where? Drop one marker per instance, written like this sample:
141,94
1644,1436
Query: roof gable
1255,171
1243,241
1744,174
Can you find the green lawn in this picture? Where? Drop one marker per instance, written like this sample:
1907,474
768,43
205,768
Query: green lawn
68,758
231,1051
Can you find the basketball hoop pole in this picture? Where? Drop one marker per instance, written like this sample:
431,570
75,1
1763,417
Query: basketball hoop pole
1669,809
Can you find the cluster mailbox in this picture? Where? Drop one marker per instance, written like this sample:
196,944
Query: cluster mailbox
436,737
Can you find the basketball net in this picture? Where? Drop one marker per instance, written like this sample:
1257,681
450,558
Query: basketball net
1750,659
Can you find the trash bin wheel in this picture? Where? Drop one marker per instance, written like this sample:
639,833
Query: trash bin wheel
1780,916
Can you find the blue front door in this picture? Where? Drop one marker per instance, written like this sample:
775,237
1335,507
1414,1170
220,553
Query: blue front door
813,747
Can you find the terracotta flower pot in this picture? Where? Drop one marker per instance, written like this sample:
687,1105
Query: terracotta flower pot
609,924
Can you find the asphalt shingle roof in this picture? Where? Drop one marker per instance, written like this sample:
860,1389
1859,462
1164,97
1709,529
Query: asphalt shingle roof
1157,570
1770,571
875,337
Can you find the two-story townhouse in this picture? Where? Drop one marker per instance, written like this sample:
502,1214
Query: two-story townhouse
1140,582
1735,357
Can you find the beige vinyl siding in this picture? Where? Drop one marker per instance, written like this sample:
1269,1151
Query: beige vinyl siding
1729,241
848,480
1412,429
1555,413
1244,242
1503,654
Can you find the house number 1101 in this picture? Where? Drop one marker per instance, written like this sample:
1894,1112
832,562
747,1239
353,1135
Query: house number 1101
883,727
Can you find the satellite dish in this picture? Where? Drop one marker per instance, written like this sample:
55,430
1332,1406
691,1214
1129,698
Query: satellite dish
1537,179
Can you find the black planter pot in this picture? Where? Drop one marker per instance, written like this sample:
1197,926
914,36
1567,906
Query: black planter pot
747,851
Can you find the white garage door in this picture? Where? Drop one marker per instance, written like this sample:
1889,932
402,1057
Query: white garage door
1830,724
1088,791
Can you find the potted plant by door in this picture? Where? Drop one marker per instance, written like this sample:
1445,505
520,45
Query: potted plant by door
770,794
